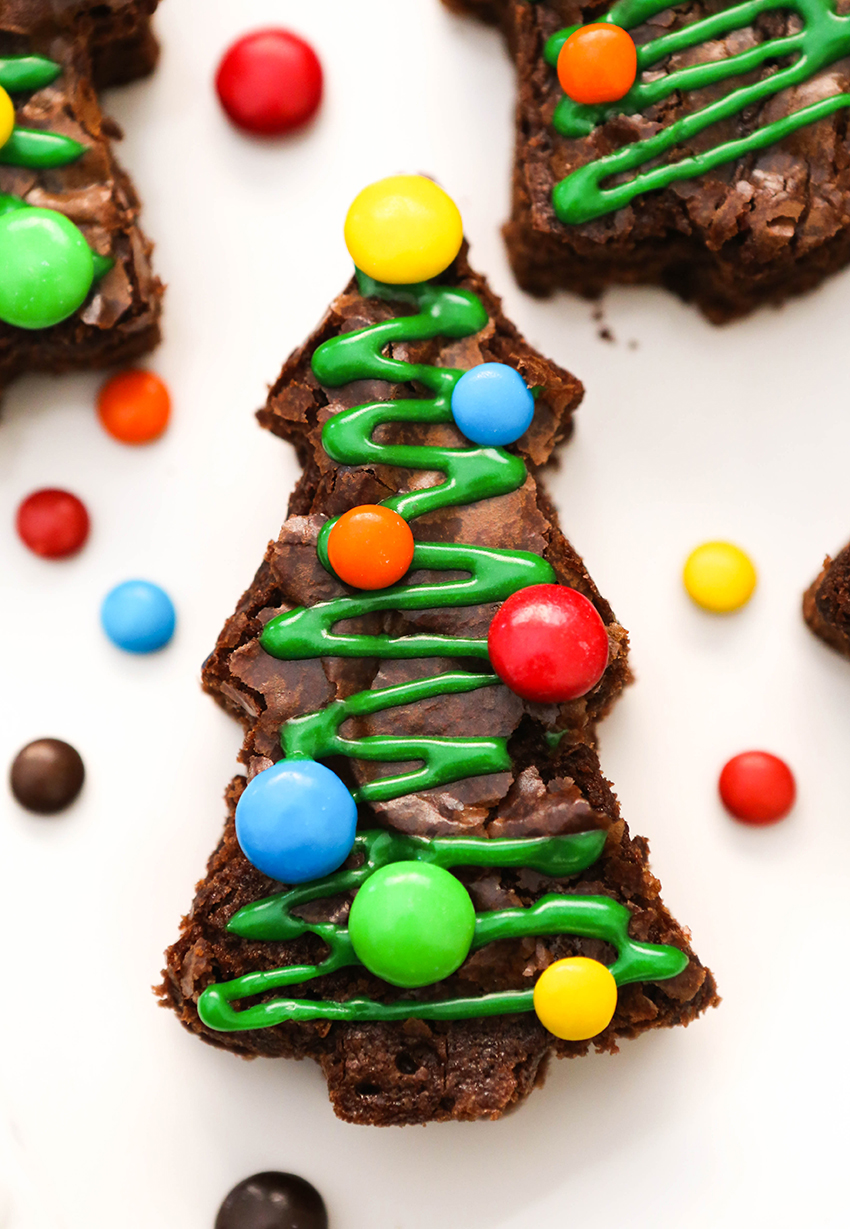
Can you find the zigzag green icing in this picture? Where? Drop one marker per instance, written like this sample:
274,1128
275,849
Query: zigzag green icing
824,39
471,473
271,919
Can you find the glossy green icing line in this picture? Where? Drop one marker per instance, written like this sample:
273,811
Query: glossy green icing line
32,147
27,72
823,40
272,919
102,264
470,474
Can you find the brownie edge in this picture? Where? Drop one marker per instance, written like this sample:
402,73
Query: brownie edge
826,603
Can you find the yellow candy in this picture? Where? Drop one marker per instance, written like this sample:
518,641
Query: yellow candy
7,116
403,229
719,577
575,998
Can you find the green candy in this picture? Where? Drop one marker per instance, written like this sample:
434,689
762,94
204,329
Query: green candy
412,924
47,268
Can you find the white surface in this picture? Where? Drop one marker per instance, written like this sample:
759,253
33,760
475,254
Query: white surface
696,433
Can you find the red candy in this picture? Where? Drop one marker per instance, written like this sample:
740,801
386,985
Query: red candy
52,523
270,82
757,787
548,644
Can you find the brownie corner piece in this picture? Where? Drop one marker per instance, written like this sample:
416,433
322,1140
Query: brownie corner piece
65,51
597,196
826,603
265,970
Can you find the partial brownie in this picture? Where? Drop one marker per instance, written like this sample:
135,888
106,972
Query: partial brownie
826,603
418,1071
119,321
765,225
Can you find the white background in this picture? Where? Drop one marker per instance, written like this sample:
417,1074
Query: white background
695,432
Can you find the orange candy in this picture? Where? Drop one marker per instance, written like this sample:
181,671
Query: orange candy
134,406
370,547
597,63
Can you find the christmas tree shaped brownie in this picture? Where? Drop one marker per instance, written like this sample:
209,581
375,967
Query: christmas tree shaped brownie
425,884
699,146
77,288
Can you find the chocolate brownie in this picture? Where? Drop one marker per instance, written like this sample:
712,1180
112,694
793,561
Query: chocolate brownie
826,603
93,45
416,1069
767,219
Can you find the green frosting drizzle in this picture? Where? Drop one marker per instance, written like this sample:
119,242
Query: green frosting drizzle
27,72
33,147
824,39
470,474
596,917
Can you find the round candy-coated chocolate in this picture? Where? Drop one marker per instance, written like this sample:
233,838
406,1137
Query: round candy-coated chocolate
575,998
47,775
270,82
134,406
296,821
138,616
403,229
548,643
273,1201
757,787
719,576
52,523
412,923
370,547
492,405
598,63
47,268
7,117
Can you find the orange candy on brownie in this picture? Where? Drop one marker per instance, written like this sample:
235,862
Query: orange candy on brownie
598,63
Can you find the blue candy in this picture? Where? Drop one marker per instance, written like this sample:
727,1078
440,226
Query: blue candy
492,405
138,616
296,821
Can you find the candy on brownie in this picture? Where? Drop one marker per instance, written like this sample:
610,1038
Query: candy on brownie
445,700
826,603
57,159
723,173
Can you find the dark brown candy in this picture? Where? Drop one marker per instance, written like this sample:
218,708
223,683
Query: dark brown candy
47,775
273,1201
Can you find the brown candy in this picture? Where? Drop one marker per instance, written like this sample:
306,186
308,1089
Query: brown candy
47,775
273,1201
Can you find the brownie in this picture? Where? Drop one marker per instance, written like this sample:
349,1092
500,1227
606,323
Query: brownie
826,603
768,224
420,1071
96,45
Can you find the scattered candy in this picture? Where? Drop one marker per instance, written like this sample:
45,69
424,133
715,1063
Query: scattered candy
273,1201
597,63
412,923
296,821
403,230
270,82
7,117
757,787
138,616
719,577
370,547
52,523
134,406
47,266
492,405
575,998
548,643
47,775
